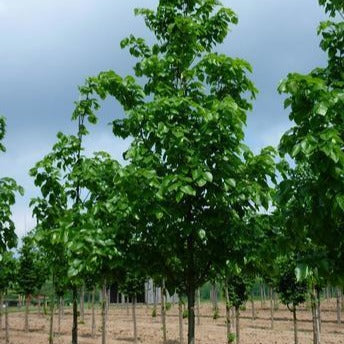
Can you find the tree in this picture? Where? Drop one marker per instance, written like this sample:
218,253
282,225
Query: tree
61,208
291,291
313,191
315,186
188,163
32,272
8,189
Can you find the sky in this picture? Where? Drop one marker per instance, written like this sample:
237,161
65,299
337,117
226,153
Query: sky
49,47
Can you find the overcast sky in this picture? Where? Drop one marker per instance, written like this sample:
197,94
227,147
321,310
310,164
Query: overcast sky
48,47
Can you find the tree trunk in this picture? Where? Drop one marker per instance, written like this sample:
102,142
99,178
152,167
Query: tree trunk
163,313
316,328
319,309
7,329
228,317
295,325
60,315
180,314
127,303
82,304
252,307
1,305
39,306
272,308
155,300
93,314
198,307
338,296
51,323
261,296
134,318
75,317
191,315
237,324
104,308
27,306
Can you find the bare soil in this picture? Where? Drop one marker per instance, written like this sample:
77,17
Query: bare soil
210,331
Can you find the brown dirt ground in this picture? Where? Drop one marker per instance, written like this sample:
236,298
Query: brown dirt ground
209,332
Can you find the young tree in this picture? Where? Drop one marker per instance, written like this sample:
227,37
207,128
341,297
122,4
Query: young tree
291,291
32,272
194,175
8,274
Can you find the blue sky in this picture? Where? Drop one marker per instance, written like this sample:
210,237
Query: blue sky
48,47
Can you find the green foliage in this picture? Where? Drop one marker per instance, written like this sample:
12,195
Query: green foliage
154,313
189,178
311,194
216,313
8,190
32,269
291,290
231,338
8,271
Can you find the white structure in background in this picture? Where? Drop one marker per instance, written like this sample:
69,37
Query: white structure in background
150,293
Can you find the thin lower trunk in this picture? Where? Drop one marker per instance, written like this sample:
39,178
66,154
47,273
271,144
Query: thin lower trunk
319,309
237,324
82,304
1,305
295,326
228,317
261,296
93,314
127,304
191,315
104,306
155,301
60,315
338,296
198,307
180,315
51,324
27,307
163,313
271,308
75,317
253,308
39,306
134,318
315,318
7,329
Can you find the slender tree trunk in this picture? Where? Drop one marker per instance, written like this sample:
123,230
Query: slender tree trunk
252,307
82,304
39,306
155,300
93,313
27,307
295,326
1,305
51,323
338,296
127,304
272,308
180,315
191,315
163,313
7,328
60,315
319,309
316,327
237,324
228,316
104,302
134,317
75,317
261,296
198,307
